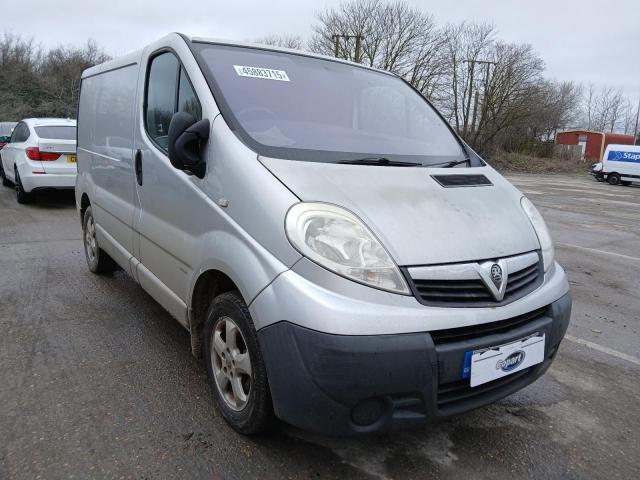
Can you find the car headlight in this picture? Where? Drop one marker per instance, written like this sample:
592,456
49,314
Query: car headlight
546,244
337,240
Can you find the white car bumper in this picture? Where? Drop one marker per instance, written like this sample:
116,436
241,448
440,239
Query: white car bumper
32,181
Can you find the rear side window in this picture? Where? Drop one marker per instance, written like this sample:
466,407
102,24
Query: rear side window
20,133
60,132
168,91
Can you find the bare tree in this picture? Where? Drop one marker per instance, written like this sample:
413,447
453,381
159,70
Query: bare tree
554,106
607,109
287,41
19,83
466,43
393,36
589,104
507,100
37,83
628,117
492,92
60,72
356,18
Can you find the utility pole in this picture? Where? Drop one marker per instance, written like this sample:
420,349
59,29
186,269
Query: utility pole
336,40
487,64
635,129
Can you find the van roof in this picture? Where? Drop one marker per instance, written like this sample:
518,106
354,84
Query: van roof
274,48
134,57
620,146
122,61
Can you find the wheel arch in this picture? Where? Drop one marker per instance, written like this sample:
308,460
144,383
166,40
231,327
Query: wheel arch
227,260
84,204
208,285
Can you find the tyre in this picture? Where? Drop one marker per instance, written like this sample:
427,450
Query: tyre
97,259
235,365
21,195
599,179
626,183
613,179
5,181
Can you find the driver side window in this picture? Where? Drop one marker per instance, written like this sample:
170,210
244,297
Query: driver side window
168,91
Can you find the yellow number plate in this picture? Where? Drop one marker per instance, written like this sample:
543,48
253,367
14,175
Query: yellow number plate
71,159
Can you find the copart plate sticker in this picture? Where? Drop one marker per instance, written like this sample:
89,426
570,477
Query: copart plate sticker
259,72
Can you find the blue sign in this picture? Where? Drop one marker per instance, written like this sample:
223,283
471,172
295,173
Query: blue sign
616,156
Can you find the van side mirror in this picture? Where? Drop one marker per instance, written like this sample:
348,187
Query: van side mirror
186,138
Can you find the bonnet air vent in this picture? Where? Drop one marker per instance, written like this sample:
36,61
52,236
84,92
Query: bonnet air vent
449,181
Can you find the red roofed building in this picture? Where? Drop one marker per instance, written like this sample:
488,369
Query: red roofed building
593,143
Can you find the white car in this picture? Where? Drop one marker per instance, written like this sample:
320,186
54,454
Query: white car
41,154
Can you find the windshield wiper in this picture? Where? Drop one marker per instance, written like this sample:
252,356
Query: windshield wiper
380,161
450,164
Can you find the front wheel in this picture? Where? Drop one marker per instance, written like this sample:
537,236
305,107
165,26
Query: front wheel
97,259
235,366
613,179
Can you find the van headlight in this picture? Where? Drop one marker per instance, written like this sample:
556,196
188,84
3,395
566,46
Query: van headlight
337,240
546,244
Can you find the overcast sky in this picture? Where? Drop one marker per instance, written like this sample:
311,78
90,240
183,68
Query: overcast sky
585,41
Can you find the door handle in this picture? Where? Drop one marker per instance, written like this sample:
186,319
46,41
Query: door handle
138,166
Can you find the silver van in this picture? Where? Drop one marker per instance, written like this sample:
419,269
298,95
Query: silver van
341,259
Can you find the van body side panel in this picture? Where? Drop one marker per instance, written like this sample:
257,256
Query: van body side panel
159,291
624,160
183,231
105,154
251,236
171,216
257,200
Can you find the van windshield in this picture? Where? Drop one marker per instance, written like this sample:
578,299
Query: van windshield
297,107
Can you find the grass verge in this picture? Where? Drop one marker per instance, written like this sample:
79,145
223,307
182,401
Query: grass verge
517,163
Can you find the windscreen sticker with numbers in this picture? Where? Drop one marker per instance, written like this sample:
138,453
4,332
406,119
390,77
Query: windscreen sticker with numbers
264,73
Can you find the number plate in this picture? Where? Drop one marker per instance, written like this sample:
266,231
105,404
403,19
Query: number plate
496,362
71,159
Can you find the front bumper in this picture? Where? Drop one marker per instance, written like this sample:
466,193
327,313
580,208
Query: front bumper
353,384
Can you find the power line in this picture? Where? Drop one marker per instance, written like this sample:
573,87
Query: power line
635,129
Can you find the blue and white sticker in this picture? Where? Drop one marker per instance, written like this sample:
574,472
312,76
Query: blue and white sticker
618,156
263,73
466,365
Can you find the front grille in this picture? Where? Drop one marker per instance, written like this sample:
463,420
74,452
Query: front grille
473,292
474,331
453,394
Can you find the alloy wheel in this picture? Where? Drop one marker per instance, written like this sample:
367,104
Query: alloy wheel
231,363
90,240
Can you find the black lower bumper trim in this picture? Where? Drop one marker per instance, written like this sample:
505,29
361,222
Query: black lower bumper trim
346,385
